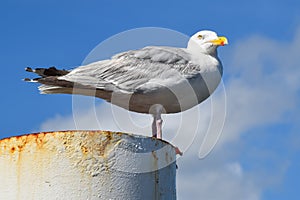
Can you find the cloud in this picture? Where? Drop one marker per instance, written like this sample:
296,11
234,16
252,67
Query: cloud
226,181
262,89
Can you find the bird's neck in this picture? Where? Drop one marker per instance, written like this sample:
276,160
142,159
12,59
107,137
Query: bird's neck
199,55
196,49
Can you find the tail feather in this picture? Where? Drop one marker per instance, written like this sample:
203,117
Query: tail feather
50,89
79,89
52,85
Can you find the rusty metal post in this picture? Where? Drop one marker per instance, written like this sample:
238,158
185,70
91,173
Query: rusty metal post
86,165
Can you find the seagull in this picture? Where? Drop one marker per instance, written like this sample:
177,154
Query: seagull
154,79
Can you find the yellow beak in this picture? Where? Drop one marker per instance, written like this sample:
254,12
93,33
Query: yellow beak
221,41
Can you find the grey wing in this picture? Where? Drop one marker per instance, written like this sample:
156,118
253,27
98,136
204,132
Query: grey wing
136,70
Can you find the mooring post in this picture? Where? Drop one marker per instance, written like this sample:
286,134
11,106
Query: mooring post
81,165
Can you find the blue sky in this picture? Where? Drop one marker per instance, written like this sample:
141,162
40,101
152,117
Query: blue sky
260,145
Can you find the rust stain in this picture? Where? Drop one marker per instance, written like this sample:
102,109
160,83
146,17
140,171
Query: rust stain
154,155
155,164
156,176
12,150
38,140
104,144
89,151
19,143
84,150
167,157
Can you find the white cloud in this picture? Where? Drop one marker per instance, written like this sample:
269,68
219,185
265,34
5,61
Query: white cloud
226,181
262,86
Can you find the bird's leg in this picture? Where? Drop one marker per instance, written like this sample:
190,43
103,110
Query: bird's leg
157,130
154,129
156,126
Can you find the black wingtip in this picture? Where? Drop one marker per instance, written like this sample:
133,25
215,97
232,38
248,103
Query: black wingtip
30,80
28,69
27,79
45,72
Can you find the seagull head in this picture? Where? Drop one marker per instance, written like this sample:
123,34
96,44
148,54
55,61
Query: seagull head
206,42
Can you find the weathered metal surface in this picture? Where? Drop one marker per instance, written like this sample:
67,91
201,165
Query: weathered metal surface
86,165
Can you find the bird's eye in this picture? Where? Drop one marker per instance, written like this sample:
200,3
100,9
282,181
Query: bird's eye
200,37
